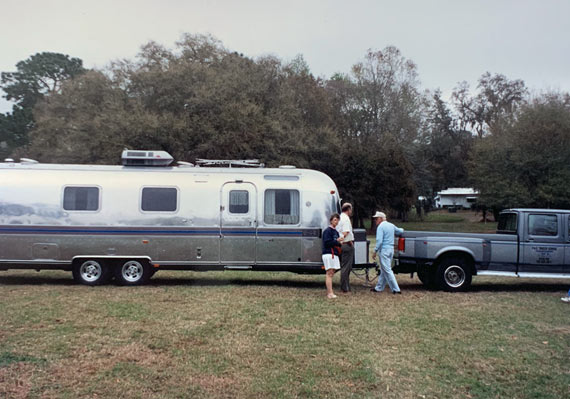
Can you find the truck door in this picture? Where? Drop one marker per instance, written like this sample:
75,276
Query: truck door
238,223
542,245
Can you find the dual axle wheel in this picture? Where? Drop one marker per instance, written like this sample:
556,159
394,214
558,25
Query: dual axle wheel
100,271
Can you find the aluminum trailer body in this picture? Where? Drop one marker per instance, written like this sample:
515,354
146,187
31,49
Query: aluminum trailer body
130,221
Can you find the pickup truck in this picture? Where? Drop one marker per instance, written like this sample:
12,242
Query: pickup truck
528,243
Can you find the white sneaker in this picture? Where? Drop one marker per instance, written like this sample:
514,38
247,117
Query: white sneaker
565,299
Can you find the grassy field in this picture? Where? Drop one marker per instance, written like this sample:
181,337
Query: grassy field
259,335
244,334
461,221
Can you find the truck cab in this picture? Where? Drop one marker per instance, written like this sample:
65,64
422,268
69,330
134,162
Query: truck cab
544,240
529,243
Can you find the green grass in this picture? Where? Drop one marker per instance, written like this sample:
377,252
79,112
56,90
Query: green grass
253,334
442,220
8,358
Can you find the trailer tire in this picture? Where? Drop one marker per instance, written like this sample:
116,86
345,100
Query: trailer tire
90,272
133,272
454,274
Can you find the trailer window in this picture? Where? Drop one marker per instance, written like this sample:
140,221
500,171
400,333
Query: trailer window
281,207
543,225
239,201
81,198
159,199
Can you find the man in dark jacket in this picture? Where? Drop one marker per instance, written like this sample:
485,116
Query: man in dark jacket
344,229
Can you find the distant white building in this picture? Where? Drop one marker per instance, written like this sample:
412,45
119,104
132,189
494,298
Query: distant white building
456,197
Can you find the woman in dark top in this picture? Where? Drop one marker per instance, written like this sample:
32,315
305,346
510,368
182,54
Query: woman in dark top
331,253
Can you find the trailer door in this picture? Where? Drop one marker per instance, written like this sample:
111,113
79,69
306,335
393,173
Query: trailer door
280,238
238,224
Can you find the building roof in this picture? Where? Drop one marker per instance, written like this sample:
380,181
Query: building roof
459,191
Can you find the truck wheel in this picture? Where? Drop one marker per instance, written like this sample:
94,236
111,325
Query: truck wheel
427,277
454,274
90,272
133,272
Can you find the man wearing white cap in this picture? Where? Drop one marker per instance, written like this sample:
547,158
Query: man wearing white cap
385,248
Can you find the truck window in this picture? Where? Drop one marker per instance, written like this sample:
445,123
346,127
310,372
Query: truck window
507,223
81,198
239,201
159,199
543,225
281,207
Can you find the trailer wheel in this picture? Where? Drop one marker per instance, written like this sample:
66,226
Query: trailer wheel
133,272
90,272
454,274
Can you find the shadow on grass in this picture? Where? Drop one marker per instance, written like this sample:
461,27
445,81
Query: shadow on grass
158,281
208,281
35,280
554,286
317,282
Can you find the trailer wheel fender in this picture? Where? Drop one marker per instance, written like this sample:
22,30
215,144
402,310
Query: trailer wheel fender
91,271
454,272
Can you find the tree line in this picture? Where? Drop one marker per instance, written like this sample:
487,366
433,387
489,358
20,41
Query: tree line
374,130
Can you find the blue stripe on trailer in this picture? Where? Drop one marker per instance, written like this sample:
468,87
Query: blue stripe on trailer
31,230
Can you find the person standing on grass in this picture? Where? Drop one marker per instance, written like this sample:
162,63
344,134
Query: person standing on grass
331,252
385,249
344,229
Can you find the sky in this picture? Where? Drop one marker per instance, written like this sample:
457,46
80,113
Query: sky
449,40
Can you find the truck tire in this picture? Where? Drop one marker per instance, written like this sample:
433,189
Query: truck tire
133,272
427,277
454,274
90,272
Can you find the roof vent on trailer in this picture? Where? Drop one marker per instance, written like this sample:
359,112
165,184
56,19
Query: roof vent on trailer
146,158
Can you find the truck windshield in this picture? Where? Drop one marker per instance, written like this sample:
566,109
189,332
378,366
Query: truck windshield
507,223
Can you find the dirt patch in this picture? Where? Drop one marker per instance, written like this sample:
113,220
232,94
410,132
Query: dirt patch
222,387
16,380
86,366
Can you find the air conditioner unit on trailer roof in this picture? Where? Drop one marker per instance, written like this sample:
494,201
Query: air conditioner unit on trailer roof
146,158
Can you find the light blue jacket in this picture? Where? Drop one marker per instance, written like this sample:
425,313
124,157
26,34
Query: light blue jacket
385,235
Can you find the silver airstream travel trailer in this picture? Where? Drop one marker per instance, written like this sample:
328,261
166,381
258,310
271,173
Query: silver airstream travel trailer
129,221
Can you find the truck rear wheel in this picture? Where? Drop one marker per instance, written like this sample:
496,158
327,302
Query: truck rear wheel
454,274
133,272
90,272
